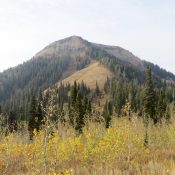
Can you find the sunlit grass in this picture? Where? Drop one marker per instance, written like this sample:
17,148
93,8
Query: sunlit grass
117,150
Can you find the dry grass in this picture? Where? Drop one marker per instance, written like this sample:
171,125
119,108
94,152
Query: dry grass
119,150
94,72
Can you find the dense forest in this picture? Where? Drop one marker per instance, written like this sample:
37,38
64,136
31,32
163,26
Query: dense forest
73,103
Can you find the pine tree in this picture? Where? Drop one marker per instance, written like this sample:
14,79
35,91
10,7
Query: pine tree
40,117
97,90
74,93
40,96
89,108
107,112
32,124
61,113
167,114
12,123
173,96
161,106
107,85
85,104
149,98
80,114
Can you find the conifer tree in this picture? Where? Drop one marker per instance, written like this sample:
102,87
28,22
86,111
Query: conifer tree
173,96
107,85
20,113
80,114
161,106
61,113
89,108
74,93
12,123
167,114
107,112
32,124
85,104
97,90
40,96
149,98
40,117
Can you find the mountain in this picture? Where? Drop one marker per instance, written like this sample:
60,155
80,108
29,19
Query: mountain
75,46
81,52
70,59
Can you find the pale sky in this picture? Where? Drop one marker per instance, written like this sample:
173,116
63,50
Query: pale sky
145,27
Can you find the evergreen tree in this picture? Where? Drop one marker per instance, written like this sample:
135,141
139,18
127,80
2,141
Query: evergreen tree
97,90
40,96
74,93
33,119
107,112
85,104
80,114
173,96
12,123
89,108
161,106
167,114
149,98
62,113
40,117
107,85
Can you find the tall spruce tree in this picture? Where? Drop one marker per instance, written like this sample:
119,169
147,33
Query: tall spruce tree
33,118
161,105
74,93
40,117
12,123
79,113
89,107
149,98
107,113
97,90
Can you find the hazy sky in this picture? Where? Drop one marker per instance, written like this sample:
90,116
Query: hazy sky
145,27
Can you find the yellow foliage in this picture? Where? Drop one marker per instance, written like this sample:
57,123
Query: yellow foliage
118,149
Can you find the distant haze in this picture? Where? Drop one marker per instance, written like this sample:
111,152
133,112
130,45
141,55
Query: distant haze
145,27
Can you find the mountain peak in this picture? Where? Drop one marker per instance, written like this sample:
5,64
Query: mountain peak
74,37
67,44
74,45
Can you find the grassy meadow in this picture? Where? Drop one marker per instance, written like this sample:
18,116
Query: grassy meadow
119,150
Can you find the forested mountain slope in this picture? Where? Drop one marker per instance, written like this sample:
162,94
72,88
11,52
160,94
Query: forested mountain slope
65,57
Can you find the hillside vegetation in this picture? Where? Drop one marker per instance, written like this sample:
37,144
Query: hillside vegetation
90,75
120,149
63,58
80,108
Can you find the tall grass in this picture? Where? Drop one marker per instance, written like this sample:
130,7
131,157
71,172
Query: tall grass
98,151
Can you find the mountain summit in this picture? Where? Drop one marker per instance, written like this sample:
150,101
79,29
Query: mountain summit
78,45
72,43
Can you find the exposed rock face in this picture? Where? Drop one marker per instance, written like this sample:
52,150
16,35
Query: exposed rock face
66,46
76,46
